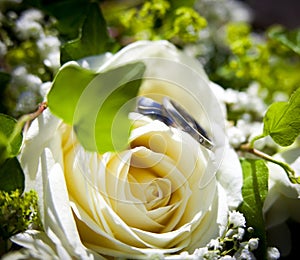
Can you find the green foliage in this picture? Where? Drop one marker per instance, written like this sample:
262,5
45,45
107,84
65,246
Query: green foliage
10,141
69,14
93,37
69,83
254,191
268,61
282,120
175,21
17,213
186,26
81,27
93,118
11,175
290,39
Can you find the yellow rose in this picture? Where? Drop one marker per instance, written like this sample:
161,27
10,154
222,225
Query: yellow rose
165,194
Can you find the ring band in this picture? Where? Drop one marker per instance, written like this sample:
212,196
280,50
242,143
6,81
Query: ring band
174,115
148,107
186,123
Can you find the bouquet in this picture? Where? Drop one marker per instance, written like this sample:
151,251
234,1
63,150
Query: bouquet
147,130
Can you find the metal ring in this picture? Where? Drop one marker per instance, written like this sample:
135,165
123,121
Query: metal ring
174,115
186,123
148,107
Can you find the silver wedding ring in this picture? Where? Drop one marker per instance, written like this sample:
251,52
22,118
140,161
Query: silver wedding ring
174,115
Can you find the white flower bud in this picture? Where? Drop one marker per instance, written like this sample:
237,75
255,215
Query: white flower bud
253,243
272,253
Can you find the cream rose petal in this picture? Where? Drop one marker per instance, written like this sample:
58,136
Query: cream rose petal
282,201
57,217
95,217
172,73
106,192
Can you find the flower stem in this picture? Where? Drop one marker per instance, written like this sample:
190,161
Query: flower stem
25,120
289,171
251,144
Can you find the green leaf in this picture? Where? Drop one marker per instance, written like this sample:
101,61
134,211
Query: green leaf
11,175
282,120
254,191
93,38
69,14
68,85
9,145
97,104
289,38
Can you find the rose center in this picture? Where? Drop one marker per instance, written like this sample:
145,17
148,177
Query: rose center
157,193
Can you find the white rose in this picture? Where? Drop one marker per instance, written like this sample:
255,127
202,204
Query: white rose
164,194
283,201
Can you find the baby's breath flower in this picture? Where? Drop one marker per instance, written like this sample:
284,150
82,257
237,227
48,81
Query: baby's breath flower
253,243
273,253
214,244
240,233
22,79
200,252
244,254
227,257
28,26
27,102
48,47
236,136
237,219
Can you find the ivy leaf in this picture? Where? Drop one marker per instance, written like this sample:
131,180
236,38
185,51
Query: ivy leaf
290,39
97,104
11,175
93,38
68,85
282,120
9,146
254,191
69,14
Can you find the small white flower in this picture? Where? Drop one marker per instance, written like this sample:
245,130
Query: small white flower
231,96
45,88
27,102
3,49
22,79
253,243
32,15
214,244
48,47
28,25
236,136
272,253
244,254
200,252
241,233
237,219
280,96
227,257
